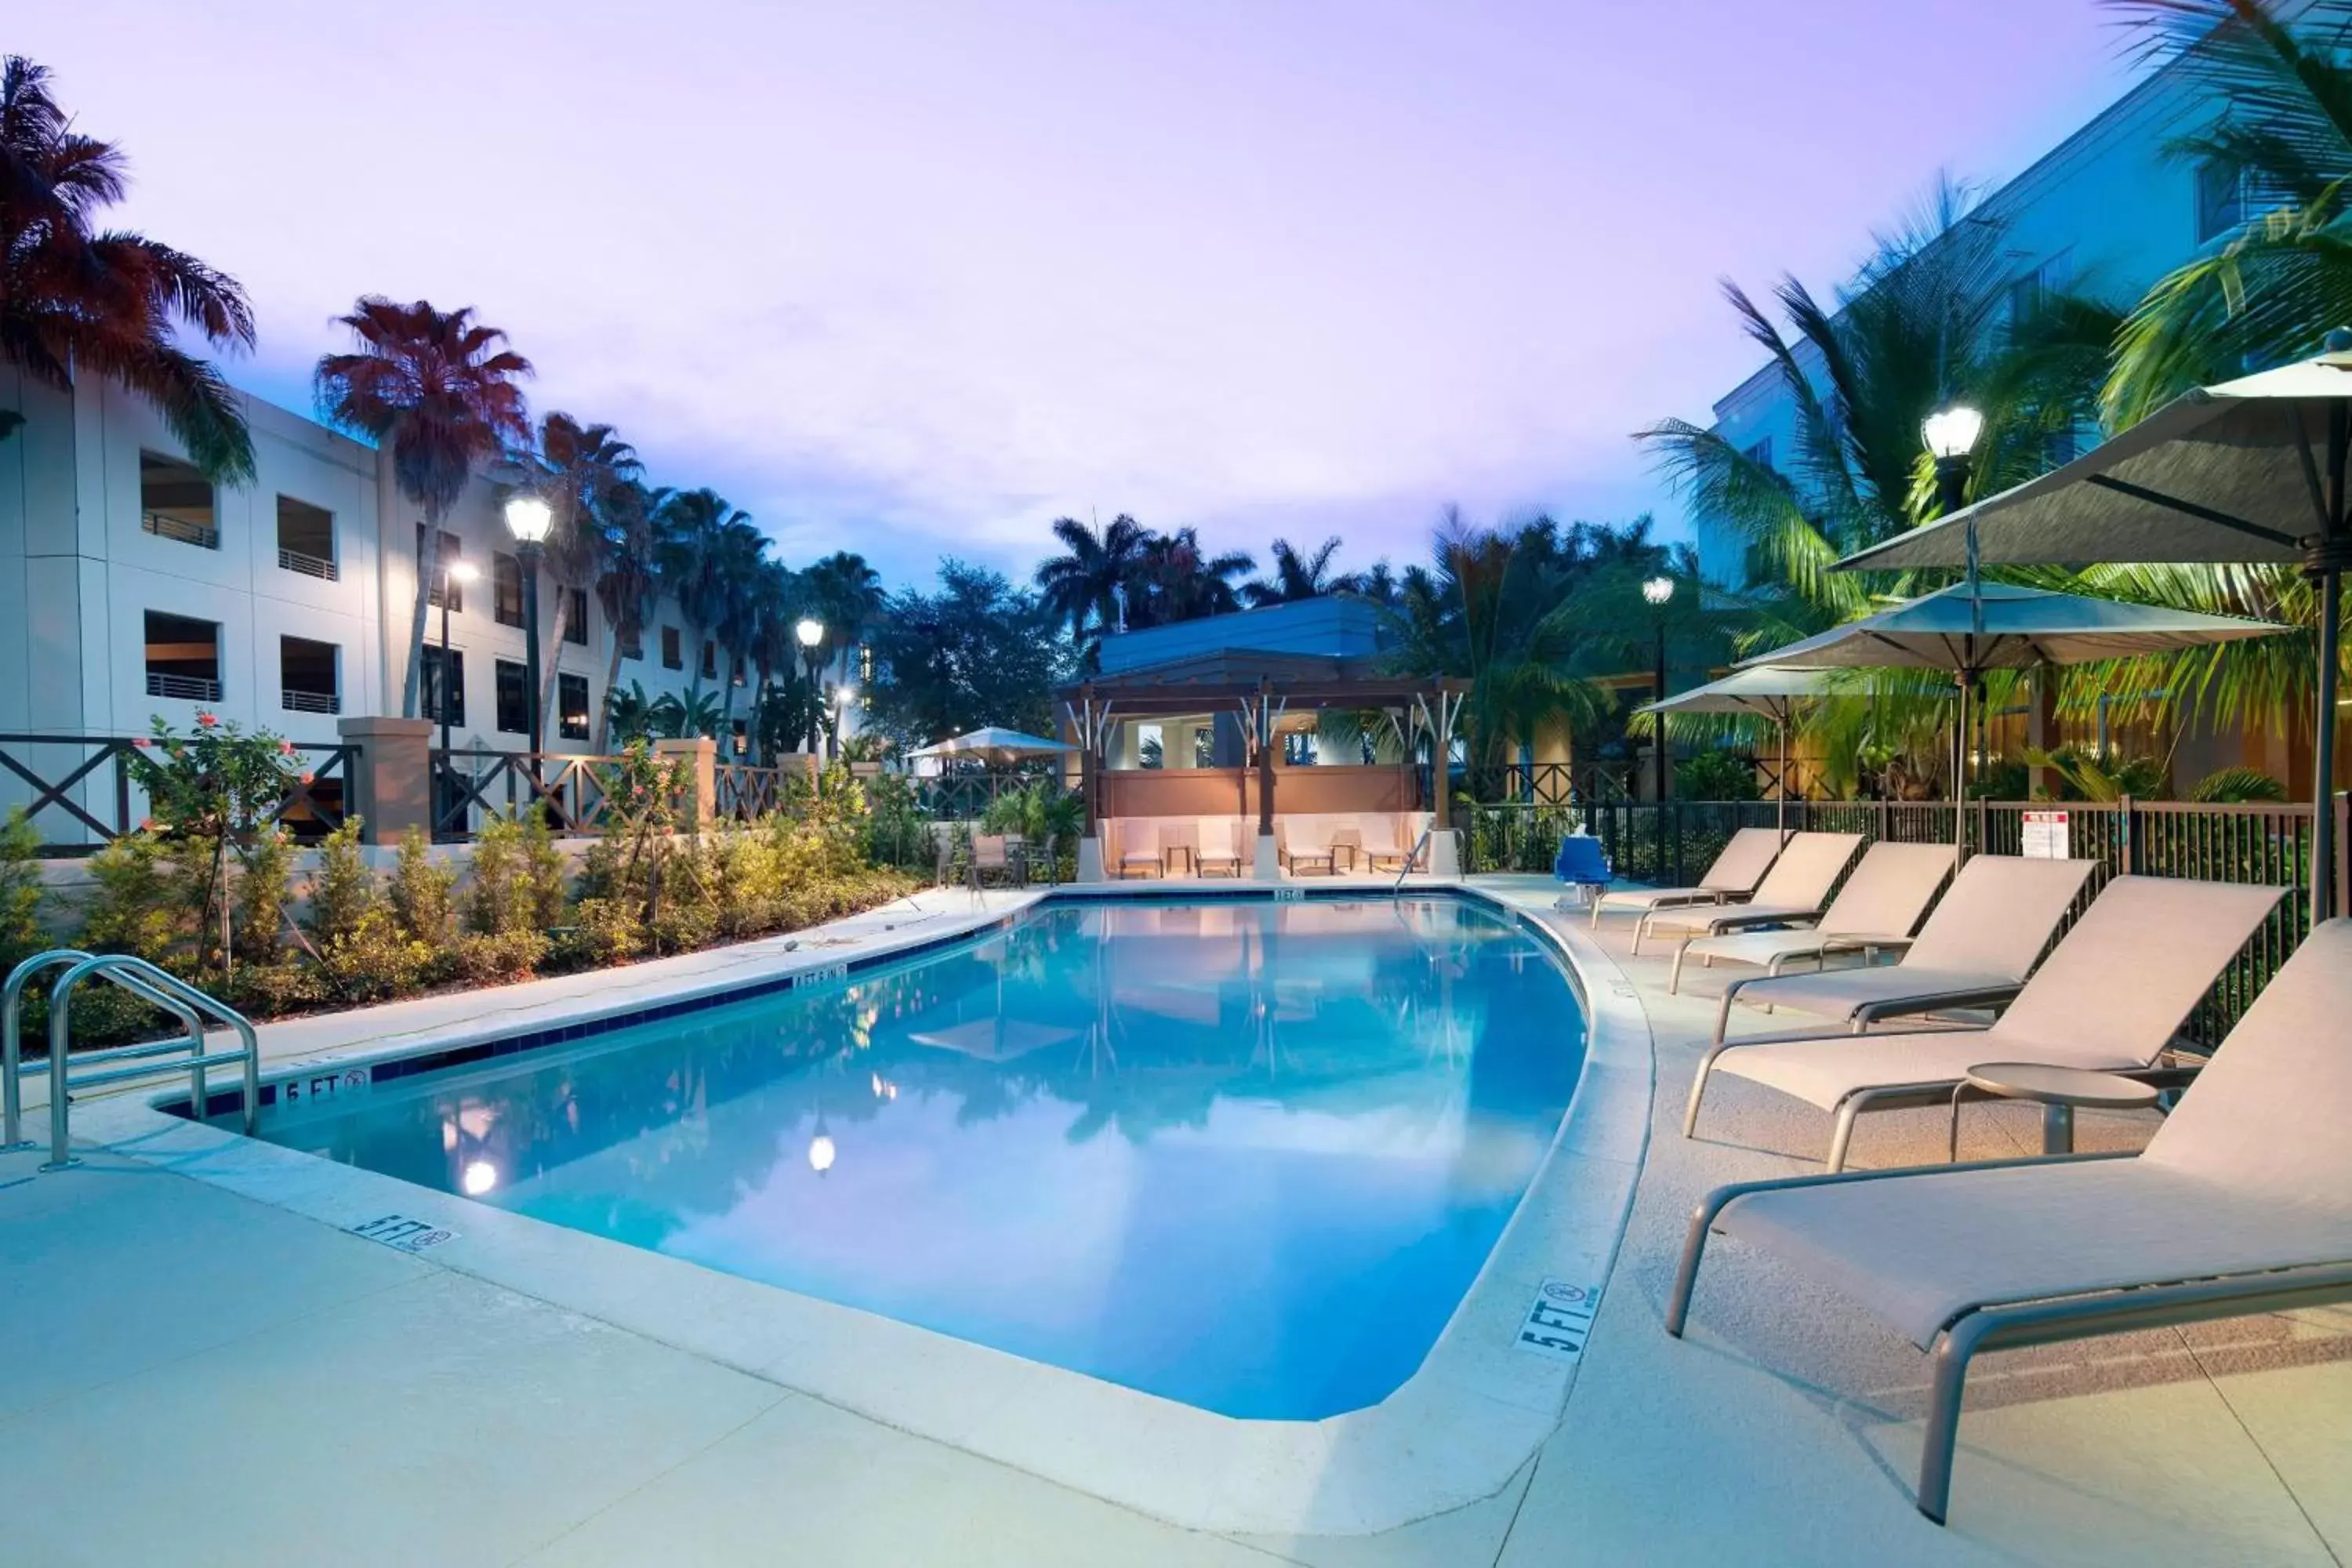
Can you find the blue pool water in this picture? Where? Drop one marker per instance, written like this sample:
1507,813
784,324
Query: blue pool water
1244,1155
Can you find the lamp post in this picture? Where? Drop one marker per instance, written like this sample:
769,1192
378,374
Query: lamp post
811,634
1657,591
1952,434
528,519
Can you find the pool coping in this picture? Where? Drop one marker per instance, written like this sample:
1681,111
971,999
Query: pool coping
1454,1432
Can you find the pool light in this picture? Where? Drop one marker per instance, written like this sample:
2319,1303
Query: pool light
479,1177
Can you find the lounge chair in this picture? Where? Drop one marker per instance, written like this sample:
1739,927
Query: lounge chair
2242,1203
1219,854
1139,849
1384,851
2108,999
1879,907
1730,879
1793,892
1297,860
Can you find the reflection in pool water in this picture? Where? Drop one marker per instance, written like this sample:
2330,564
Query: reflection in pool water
1244,1155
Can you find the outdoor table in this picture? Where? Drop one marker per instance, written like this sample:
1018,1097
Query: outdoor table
2057,1090
1346,842
1169,856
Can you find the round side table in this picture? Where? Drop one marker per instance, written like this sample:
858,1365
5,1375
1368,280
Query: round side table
2057,1090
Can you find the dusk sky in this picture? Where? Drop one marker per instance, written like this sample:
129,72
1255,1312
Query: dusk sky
914,278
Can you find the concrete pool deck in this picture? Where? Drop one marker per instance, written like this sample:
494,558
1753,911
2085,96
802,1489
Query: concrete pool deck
268,1388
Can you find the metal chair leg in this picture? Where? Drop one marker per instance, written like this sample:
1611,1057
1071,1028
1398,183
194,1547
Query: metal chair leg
1934,1494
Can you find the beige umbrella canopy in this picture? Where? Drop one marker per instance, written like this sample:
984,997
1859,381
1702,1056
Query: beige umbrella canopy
1765,692
1973,627
995,744
2247,471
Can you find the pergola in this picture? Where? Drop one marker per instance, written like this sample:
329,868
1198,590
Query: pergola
1257,688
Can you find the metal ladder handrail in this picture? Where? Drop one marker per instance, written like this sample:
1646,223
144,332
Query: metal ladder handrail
168,990
1411,855
12,1093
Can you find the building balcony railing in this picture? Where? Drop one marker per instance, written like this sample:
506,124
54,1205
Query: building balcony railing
178,528
187,688
309,566
297,701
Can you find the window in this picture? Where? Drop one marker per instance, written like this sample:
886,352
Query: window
439,699
865,664
182,657
633,643
575,617
514,698
176,502
1760,453
506,589
742,737
443,585
672,659
2220,201
571,707
306,676
306,539
709,660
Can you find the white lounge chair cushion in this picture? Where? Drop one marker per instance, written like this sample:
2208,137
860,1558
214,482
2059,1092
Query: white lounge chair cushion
1823,1072
1737,869
2251,1172
1700,917
1764,946
1837,993
1918,1249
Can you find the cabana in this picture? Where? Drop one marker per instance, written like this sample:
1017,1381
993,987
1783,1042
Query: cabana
1239,704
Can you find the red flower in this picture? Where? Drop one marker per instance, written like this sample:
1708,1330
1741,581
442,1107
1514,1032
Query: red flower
147,825
307,778
285,747
206,721
141,741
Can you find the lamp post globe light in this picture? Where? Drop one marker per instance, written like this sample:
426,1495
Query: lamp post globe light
529,518
810,634
1952,434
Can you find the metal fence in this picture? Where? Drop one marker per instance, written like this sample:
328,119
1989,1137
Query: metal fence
77,792
2268,844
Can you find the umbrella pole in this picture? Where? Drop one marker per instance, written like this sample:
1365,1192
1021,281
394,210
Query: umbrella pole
1780,819
1960,774
2323,795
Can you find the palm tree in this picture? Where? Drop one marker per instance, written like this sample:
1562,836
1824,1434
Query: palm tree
2284,135
1082,586
440,392
1298,576
628,579
109,302
1177,580
1926,321
699,546
845,593
584,467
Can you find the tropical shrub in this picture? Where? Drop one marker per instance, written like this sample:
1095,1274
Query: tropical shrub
20,890
1715,774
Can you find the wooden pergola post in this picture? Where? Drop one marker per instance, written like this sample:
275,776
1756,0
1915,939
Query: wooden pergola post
1264,725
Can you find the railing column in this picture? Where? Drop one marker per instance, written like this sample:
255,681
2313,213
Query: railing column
700,753
2126,858
391,775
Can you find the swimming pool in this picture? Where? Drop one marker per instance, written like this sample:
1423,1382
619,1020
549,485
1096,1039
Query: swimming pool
1242,1154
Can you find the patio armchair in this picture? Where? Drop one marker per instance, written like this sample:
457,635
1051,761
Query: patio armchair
1987,933
2108,999
1793,890
1140,849
1220,852
1879,907
1382,850
2241,1204
995,854
1731,879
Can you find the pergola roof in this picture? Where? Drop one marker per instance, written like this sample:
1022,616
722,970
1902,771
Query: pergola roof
1213,680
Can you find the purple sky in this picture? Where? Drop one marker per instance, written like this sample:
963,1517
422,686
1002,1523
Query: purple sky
908,278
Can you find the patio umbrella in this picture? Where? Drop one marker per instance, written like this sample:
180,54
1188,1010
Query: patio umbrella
1973,627
993,744
2247,471
1765,692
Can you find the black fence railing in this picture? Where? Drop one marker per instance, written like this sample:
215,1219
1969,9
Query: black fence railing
77,792
2268,844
